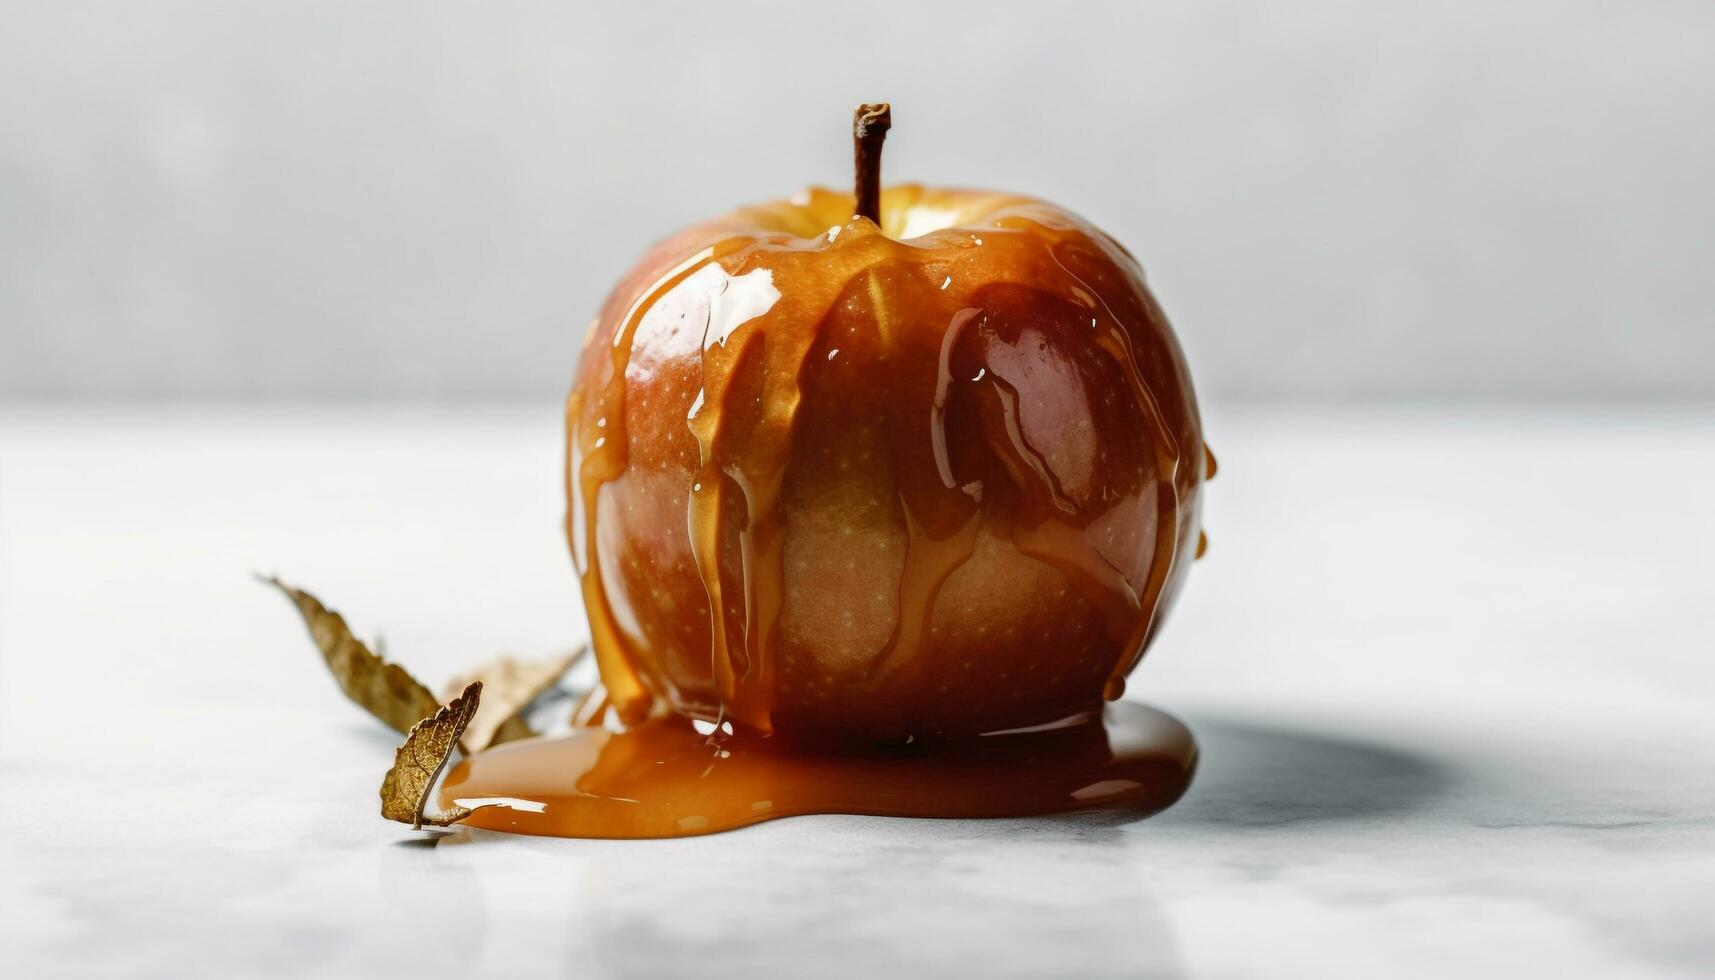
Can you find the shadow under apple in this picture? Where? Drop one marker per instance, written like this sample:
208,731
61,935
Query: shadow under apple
1257,772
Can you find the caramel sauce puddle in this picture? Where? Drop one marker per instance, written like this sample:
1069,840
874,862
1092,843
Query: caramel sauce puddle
665,778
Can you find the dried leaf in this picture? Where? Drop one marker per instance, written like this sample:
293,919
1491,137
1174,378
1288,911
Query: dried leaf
418,763
509,685
383,689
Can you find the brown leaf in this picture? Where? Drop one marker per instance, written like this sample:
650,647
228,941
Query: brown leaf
509,685
385,690
418,763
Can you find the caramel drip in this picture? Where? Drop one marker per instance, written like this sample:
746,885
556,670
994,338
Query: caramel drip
604,446
929,562
749,447
930,559
1025,462
1077,563
1210,467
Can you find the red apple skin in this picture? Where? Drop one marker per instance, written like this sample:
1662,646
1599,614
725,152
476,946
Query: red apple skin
942,476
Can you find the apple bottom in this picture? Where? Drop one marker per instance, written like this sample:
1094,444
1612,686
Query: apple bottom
667,778
1007,639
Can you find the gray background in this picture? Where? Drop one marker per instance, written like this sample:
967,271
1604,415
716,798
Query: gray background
399,199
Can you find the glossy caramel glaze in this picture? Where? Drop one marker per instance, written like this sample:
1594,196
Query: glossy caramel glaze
665,778
935,478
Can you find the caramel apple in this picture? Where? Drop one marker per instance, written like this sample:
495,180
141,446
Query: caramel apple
904,462
874,498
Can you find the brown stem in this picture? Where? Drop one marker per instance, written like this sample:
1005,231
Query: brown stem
869,128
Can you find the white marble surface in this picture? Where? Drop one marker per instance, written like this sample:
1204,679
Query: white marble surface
1454,676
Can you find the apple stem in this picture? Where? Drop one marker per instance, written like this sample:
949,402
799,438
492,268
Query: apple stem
869,128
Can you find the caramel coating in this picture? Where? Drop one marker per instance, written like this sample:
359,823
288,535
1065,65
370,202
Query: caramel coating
937,477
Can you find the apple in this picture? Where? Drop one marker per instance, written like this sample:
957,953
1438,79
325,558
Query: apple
881,466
